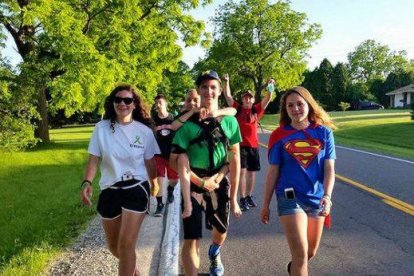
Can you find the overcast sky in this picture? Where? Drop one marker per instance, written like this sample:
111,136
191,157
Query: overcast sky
345,24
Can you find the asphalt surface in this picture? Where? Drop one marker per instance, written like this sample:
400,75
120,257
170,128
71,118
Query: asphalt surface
368,237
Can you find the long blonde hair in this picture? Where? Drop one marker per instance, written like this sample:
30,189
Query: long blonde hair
316,114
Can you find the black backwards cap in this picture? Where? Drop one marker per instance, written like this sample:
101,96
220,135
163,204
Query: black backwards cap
207,75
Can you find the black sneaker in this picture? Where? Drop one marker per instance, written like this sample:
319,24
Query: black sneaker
250,201
243,204
160,209
170,194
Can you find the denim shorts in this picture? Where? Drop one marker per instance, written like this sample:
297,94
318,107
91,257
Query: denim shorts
294,206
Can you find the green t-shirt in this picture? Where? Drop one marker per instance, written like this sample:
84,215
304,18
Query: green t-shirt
198,154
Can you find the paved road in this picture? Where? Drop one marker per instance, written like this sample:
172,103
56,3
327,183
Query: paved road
368,237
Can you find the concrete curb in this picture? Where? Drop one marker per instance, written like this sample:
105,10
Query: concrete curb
169,256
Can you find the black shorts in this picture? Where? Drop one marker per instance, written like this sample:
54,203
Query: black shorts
216,206
249,158
112,201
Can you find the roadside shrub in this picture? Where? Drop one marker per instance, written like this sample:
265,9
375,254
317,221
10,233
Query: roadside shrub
16,134
344,106
16,114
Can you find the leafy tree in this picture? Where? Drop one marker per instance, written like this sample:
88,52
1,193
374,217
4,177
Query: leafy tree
255,40
378,90
341,83
175,85
311,82
320,83
78,49
16,131
371,60
325,93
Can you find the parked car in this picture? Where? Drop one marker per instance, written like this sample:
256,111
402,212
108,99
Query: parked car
369,105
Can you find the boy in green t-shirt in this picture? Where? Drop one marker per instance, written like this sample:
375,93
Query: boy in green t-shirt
210,157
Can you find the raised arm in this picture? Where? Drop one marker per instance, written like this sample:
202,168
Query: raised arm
269,91
226,90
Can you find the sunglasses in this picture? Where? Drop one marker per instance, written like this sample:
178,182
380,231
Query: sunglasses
126,101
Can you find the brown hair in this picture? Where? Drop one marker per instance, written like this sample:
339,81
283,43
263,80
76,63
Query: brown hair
160,96
316,114
140,112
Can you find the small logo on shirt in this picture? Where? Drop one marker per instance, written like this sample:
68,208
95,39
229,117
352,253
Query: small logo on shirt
137,140
304,151
137,143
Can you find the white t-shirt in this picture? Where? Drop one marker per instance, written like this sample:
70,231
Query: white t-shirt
122,152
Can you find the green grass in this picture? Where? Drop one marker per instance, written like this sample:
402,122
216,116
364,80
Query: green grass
40,208
384,131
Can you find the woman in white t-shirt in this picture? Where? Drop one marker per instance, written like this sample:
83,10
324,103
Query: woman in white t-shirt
124,145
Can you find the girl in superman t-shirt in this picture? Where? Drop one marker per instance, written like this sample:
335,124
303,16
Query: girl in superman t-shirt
301,174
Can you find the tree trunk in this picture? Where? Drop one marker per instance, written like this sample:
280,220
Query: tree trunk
42,130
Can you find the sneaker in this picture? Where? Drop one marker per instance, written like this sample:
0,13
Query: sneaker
160,209
216,266
250,201
244,206
170,196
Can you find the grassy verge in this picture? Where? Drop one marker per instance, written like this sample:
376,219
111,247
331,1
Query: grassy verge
384,131
40,208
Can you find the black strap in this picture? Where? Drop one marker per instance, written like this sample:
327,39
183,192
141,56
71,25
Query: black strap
211,132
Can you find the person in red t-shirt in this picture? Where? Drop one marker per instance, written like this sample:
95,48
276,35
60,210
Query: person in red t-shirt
248,116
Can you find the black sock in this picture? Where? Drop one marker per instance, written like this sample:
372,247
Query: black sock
159,200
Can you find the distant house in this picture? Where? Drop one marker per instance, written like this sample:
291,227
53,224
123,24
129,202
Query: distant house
402,97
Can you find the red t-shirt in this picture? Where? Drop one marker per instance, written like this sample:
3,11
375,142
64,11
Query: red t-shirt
248,123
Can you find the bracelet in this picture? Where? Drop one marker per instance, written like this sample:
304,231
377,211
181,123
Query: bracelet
203,182
328,197
87,182
178,119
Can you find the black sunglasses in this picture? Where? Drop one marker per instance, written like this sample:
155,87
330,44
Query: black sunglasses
126,101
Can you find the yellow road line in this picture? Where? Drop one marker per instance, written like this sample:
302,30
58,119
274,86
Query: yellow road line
396,203
391,201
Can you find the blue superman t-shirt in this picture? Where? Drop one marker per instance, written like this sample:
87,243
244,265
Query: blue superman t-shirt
300,155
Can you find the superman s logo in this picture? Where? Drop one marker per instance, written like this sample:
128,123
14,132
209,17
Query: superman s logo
304,151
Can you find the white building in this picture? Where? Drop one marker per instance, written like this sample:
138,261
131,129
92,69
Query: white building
402,97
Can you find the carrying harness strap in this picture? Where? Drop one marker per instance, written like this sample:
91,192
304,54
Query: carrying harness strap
212,133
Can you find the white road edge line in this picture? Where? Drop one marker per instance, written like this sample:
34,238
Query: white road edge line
376,154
